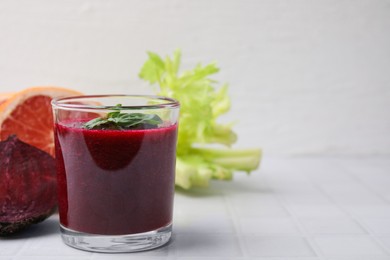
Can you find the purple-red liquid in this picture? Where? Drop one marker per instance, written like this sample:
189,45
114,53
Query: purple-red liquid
114,182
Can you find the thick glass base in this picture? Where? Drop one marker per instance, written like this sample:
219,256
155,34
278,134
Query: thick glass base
117,243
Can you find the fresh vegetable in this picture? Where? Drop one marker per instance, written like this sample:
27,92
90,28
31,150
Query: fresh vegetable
201,104
28,185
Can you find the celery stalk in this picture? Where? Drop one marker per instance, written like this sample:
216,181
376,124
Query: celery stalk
201,104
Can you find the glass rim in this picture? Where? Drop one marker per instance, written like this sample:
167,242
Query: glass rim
60,102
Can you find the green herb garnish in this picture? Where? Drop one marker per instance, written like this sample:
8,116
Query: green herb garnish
122,121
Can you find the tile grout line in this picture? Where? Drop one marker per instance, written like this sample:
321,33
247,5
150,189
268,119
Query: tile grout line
358,180
21,248
303,232
349,214
237,231
355,218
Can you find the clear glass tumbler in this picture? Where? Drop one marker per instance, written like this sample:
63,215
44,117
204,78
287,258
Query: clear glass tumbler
116,169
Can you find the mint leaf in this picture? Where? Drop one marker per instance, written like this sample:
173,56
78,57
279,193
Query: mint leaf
122,121
116,113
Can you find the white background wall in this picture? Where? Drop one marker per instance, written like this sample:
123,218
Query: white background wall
306,77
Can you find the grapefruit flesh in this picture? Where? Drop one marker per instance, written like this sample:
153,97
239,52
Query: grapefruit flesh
28,115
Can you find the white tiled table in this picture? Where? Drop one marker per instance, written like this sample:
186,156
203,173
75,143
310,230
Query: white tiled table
293,208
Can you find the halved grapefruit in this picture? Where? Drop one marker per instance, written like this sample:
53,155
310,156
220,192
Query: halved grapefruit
28,115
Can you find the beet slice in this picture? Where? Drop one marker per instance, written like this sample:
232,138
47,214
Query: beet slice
28,186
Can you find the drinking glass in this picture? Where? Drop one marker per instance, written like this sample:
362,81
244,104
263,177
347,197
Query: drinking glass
115,181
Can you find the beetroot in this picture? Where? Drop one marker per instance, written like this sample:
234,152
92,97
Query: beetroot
28,189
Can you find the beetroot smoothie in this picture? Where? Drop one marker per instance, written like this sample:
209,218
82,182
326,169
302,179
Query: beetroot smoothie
114,182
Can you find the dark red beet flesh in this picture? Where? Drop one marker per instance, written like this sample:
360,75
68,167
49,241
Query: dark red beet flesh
28,189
